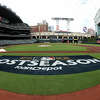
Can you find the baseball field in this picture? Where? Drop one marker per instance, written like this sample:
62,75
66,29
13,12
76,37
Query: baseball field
50,84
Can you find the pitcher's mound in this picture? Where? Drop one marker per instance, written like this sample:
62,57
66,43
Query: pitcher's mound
44,45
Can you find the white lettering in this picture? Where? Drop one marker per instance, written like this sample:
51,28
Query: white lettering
83,61
57,68
3,61
71,62
57,62
33,63
22,62
39,68
12,62
96,60
44,63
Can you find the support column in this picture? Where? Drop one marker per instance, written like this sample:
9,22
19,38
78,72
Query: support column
67,39
68,27
31,37
36,37
57,25
57,37
46,37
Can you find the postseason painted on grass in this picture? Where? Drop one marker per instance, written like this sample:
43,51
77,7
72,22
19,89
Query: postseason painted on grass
50,65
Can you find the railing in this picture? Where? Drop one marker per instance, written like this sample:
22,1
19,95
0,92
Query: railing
15,26
12,42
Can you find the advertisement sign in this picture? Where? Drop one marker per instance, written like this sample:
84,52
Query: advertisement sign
48,65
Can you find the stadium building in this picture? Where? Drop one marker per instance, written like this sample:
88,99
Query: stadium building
69,37
14,31
97,23
43,33
40,27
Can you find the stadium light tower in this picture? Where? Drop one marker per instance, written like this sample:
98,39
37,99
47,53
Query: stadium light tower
68,20
57,23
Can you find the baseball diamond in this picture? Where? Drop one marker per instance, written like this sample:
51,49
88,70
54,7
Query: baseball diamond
40,63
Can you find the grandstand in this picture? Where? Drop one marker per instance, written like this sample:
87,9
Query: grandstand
11,26
14,42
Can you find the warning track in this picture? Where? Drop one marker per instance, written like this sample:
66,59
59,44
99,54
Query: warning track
87,94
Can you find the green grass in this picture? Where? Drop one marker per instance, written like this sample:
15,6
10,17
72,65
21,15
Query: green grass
97,55
91,44
52,47
41,54
49,84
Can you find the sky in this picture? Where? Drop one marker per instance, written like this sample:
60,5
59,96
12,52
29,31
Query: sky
35,11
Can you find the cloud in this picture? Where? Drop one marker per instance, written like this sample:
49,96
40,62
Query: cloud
34,11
